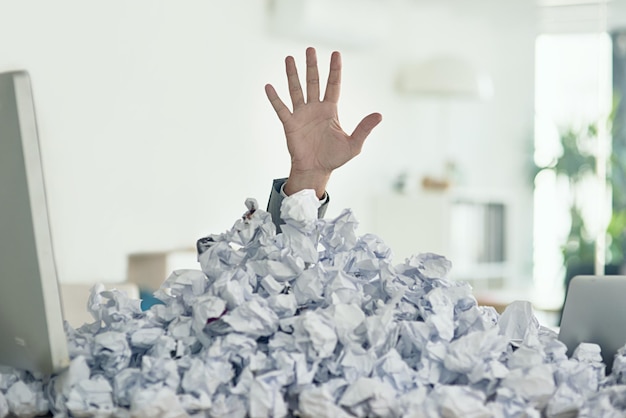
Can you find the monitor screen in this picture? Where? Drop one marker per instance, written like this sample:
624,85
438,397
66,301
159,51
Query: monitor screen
31,319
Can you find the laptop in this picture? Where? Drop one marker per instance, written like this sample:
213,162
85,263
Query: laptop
595,312
32,335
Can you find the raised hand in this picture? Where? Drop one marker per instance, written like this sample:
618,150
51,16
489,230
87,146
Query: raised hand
315,140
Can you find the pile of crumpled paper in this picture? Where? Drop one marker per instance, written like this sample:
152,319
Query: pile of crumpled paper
315,322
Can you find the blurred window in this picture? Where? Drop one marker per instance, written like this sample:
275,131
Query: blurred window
572,91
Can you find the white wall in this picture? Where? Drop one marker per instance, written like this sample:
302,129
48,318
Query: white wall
155,127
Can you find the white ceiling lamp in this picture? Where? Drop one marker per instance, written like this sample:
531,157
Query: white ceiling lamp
448,79
444,76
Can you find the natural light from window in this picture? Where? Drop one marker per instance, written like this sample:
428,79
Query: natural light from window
572,91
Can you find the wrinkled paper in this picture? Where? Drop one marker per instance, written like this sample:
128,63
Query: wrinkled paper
314,322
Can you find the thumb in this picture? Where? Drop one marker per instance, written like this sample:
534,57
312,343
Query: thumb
364,128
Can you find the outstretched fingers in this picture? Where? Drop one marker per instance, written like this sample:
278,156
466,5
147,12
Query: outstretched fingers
279,107
333,87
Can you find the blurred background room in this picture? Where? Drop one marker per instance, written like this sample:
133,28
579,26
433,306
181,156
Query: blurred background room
501,125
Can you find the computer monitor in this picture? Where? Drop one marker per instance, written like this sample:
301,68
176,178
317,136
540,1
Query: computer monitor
32,335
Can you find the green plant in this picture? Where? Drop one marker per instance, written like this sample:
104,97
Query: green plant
616,229
577,164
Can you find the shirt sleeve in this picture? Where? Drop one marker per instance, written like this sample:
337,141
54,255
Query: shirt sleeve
276,198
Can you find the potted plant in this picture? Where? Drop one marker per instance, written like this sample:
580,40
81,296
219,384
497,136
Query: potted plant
577,164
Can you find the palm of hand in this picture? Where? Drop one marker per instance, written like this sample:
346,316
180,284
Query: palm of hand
315,139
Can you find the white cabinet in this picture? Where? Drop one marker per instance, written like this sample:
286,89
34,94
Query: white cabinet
412,224
468,227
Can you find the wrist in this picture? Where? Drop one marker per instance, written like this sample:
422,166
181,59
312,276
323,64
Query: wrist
307,180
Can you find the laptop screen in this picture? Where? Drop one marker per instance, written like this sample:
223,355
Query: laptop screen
595,312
